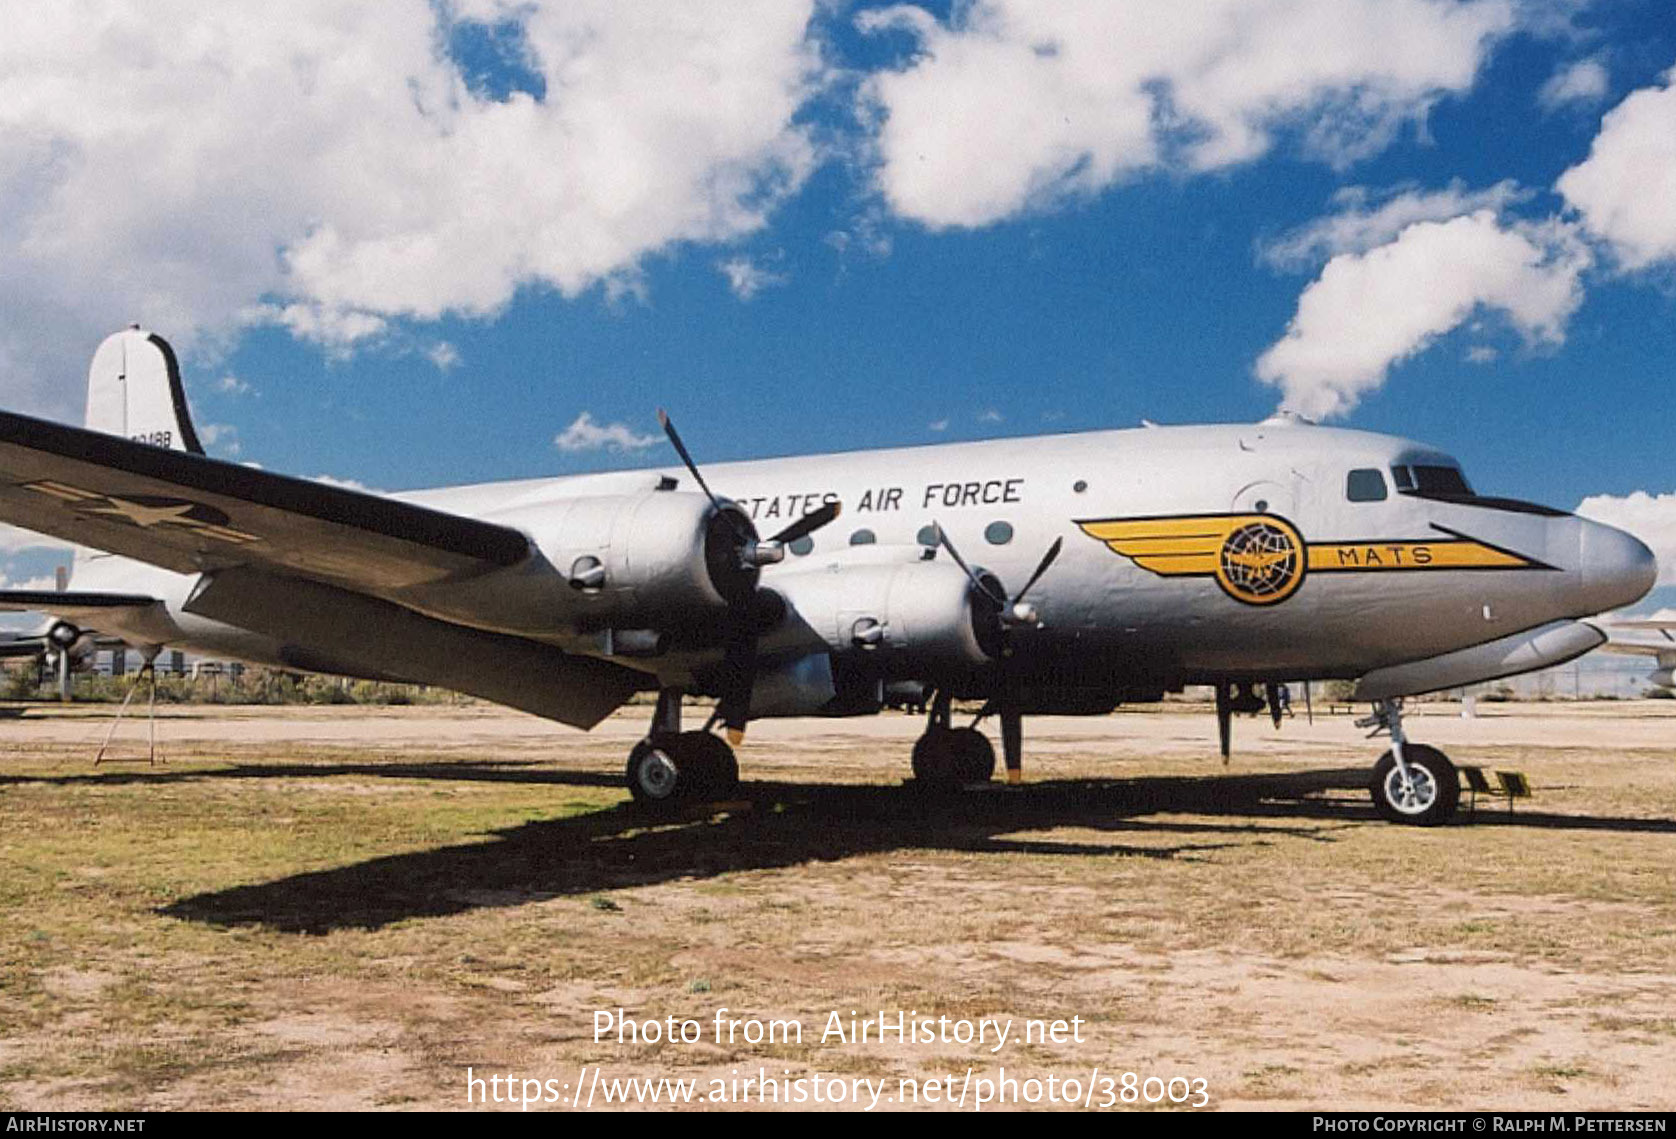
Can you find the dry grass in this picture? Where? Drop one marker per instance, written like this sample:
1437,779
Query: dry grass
348,907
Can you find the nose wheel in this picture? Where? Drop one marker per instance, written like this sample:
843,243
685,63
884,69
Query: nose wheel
1411,783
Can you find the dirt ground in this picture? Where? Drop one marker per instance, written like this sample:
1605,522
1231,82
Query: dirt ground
350,907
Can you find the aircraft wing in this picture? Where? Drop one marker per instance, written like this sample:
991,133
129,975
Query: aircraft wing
144,616
15,645
1645,624
194,514
296,560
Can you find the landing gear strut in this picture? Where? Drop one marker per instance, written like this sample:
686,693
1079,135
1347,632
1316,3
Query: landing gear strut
1411,783
670,767
946,757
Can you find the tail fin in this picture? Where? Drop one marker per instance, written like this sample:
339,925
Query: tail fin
134,390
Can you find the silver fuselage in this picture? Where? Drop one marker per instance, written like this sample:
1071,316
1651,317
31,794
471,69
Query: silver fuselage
1105,616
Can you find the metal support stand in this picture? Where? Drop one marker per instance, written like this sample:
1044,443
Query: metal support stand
147,669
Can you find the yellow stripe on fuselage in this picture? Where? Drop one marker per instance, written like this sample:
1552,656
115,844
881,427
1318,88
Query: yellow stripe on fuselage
1327,557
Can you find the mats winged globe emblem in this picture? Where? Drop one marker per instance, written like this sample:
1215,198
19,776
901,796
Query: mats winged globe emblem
1260,563
1258,559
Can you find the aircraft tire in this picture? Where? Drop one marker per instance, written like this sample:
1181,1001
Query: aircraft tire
661,773
936,761
1437,788
974,756
715,767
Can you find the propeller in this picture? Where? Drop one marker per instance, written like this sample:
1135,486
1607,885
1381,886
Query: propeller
751,611
1011,614
753,552
1014,611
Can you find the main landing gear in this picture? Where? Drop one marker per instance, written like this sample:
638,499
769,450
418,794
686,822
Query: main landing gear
670,767
1411,783
946,757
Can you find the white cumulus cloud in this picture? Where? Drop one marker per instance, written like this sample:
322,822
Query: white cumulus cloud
584,434
1625,191
1015,104
325,166
747,278
1365,219
1370,310
1650,517
1584,81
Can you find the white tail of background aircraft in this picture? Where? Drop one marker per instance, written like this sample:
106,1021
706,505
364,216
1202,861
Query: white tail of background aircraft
134,390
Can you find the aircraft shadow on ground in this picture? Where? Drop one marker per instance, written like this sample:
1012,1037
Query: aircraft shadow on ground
779,825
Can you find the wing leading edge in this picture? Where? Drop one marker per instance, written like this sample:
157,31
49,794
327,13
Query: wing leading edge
194,514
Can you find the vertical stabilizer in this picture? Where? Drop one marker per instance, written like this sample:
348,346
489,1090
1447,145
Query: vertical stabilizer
134,390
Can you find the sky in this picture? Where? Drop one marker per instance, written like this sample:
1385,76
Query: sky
413,243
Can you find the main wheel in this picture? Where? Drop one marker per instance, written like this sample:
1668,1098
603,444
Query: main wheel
714,767
666,770
935,761
1432,794
974,756
657,775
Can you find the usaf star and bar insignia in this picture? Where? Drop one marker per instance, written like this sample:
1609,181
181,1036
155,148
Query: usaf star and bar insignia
147,512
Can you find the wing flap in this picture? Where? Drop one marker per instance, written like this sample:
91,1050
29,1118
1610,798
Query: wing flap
192,514
366,636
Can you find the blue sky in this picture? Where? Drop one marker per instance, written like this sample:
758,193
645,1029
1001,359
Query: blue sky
423,252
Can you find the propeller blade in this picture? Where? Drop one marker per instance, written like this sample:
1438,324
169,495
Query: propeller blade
943,539
808,524
1041,568
686,459
692,468
739,667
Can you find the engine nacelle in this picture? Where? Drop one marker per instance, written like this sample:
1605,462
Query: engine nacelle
1663,677
648,558
902,618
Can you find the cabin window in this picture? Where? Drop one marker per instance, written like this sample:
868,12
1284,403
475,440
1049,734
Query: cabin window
863,538
802,547
1366,485
927,536
998,533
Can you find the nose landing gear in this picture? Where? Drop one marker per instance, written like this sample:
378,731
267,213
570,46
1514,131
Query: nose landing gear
1411,783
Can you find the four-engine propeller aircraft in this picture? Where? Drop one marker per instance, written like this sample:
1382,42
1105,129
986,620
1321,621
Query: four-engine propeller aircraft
1053,575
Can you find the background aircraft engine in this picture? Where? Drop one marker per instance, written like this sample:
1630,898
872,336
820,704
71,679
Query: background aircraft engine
649,558
905,620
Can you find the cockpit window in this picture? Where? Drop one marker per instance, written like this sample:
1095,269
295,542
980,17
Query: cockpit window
1366,485
1440,480
1431,478
1444,482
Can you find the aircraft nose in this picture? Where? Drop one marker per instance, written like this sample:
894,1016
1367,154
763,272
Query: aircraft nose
1618,568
